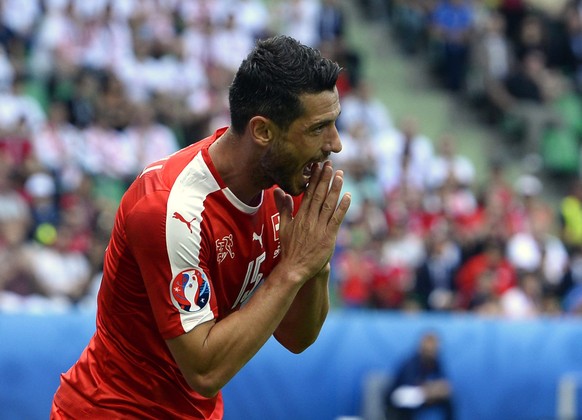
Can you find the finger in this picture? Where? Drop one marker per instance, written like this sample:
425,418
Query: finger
313,181
340,212
284,204
331,200
321,190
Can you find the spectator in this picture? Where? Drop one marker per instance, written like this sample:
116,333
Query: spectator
435,286
572,274
149,66
370,220
230,44
421,384
358,149
407,204
41,191
6,71
492,62
514,12
358,161
151,140
82,102
298,19
573,302
331,21
362,108
571,216
531,37
532,247
496,189
103,40
20,18
108,152
367,194
458,203
16,105
61,271
448,163
403,155
15,223
529,210
527,96
524,300
354,268
253,17
409,23
485,276
197,33
56,146
573,44
16,148
402,251
15,213
451,28
112,103
570,290
55,54
350,60
151,21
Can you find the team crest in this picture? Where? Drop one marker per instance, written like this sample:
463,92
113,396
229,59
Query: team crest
190,290
224,248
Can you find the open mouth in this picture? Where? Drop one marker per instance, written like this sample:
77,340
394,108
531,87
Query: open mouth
308,169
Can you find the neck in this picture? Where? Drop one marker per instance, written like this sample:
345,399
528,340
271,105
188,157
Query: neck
234,159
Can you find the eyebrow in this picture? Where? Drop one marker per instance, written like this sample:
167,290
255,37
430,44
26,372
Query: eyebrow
325,121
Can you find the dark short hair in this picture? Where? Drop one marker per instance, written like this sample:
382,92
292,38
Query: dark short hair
273,76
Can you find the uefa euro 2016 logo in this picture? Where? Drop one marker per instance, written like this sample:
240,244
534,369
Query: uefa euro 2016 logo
190,290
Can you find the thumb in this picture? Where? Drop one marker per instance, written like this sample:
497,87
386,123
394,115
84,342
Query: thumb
284,204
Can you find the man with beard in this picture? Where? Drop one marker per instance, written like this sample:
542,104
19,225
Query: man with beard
255,204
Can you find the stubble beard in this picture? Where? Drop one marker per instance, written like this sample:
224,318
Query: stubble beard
277,167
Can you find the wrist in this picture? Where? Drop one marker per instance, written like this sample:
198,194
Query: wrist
286,275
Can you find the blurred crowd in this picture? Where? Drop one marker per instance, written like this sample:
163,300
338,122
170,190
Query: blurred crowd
425,233
91,92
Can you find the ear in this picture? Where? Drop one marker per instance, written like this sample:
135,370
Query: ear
262,130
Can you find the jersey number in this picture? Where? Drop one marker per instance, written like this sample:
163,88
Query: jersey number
252,280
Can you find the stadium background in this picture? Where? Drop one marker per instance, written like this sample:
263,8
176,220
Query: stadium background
500,368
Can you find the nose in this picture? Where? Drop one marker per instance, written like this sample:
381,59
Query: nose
334,143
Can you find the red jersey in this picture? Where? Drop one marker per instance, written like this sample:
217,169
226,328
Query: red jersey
184,250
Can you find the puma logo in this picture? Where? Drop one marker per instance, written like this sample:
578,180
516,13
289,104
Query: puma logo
181,219
259,236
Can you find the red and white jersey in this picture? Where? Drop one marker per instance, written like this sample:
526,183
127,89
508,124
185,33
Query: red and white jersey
184,250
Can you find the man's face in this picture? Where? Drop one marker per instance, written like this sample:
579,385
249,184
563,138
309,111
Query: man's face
429,347
309,139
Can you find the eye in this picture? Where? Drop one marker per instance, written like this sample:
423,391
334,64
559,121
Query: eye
318,129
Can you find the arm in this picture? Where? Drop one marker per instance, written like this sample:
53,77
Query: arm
304,319
213,352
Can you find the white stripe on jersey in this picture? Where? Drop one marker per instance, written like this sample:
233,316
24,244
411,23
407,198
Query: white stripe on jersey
150,168
186,198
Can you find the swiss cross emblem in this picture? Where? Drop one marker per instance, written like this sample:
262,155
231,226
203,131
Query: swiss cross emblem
224,247
276,221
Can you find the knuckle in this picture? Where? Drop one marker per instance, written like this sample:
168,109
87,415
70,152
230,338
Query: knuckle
318,196
327,207
306,226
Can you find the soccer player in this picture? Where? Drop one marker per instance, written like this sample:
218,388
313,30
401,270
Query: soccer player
218,247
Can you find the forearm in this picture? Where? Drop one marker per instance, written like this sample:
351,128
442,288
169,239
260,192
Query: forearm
224,347
306,315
